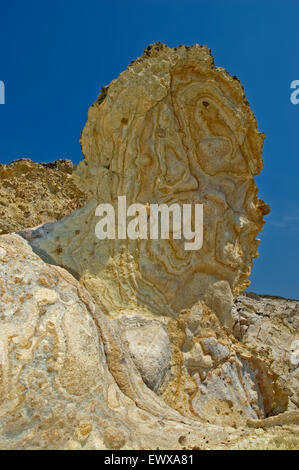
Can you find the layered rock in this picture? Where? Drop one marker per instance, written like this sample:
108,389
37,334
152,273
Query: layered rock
172,128
35,193
136,343
269,326
67,379
56,387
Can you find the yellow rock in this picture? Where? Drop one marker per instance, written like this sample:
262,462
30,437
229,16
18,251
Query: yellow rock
171,128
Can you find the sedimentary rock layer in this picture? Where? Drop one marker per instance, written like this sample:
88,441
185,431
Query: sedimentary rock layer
35,193
138,343
269,326
68,380
171,128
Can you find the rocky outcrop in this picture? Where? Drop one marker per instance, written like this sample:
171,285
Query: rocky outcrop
172,128
57,388
138,344
66,377
69,380
34,193
269,326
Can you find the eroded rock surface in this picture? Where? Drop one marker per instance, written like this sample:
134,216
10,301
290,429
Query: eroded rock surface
269,326
35,193
67,379
171,128
137,344
56,387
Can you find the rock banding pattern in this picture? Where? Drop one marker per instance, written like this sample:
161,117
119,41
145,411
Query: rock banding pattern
138,344
171,128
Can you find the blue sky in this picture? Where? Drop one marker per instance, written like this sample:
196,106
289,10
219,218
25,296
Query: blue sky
56,55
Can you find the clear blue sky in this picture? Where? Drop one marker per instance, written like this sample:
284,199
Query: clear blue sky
56,55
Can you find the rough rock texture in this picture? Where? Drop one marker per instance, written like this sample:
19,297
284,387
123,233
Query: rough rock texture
171,128
67,380
56,387
269,326
34,193
138,344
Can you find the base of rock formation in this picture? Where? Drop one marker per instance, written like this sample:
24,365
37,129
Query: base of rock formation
71,378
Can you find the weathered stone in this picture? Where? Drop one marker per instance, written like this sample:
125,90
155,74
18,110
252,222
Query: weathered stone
150,348
269,326
143,349
60,359
172,128
67,380
35,193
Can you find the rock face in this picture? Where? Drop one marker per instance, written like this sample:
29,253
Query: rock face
269,326
67,379
172,128
134,344
34,193
56,389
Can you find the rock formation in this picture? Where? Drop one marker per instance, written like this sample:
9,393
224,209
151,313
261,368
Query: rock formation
269,326
138,343
68,381
66,378
172,128
35,193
